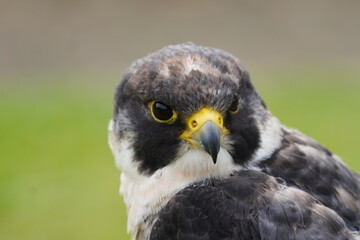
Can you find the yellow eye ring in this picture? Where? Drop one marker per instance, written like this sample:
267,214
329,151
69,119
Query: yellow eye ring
234,107
161,112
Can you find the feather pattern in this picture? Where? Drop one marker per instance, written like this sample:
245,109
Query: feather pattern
305,164
247,205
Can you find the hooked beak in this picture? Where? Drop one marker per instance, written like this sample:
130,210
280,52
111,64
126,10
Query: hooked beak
205,131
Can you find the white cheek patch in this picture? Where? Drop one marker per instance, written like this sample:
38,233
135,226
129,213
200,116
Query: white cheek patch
123,153
270,141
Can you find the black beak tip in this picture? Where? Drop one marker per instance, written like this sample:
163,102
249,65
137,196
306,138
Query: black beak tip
214,157
210,140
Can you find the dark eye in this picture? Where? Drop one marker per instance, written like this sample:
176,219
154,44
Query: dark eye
162,112
234,107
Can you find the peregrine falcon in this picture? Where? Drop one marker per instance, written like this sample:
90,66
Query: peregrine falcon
202,157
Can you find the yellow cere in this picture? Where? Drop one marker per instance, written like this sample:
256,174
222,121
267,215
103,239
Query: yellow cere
198,119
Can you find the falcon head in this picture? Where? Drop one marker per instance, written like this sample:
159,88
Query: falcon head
187,112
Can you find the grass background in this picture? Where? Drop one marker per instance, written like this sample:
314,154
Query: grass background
57,176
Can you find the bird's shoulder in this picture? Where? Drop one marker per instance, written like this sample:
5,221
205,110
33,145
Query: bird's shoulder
246,205
304,163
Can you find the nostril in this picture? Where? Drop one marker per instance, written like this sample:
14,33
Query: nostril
194,123
220,120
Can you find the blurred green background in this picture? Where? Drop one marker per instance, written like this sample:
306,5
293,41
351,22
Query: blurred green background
60,62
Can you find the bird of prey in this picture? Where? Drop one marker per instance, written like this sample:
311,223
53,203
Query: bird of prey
203,158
